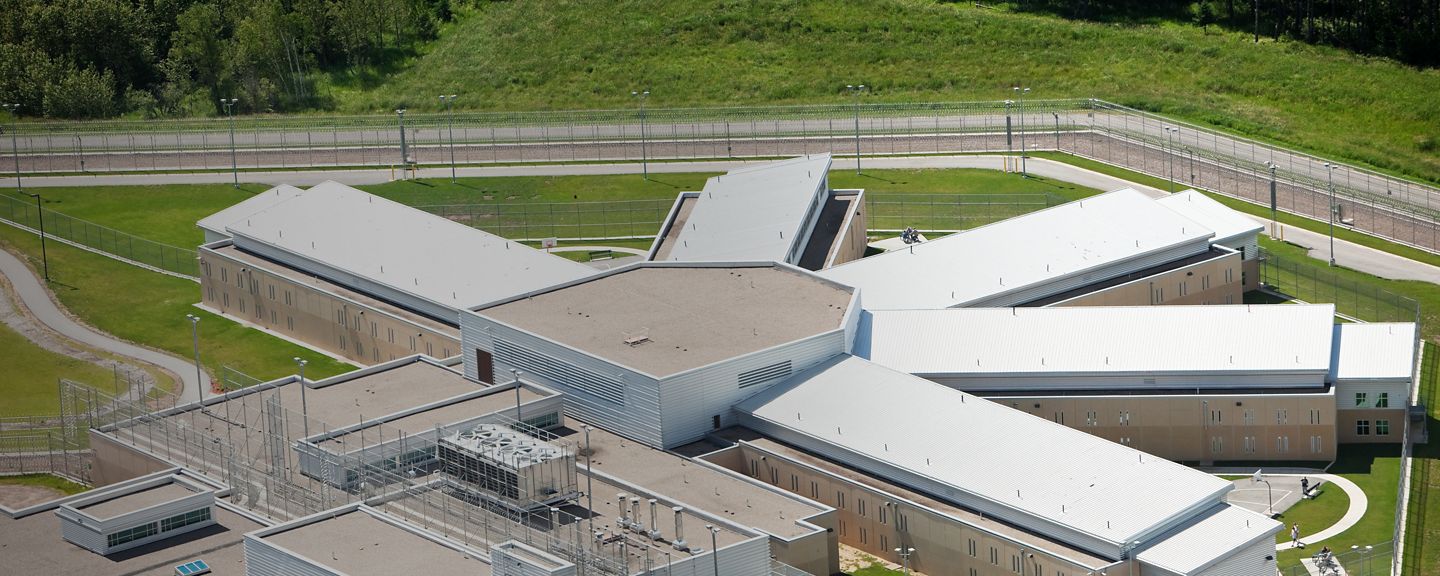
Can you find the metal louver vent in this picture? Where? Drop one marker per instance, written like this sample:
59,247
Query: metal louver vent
764,374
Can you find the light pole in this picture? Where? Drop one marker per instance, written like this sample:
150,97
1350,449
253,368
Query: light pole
855,92
1170,131
229,104
1330,172
1057,130
1273,217
1022,92
195,339
450,125
15,140
404,151
1269,511
1009,136
40,213
714,548
643,95
905,553
304,408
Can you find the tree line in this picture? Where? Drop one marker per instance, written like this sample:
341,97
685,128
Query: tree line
1405,30
102,58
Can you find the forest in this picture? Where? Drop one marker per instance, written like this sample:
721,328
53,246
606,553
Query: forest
158,58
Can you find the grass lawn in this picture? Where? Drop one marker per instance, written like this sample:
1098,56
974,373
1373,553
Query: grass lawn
876,570
1317,514
149,308
1422,553
1376,470
569,54
31,373
164,214
45,480
1425,293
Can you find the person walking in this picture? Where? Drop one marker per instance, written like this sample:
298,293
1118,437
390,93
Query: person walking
1295,535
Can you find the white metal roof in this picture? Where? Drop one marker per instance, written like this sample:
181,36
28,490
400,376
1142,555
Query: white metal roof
405,249
982,454
1226,223
218,221
755,213
1072,239
1111,339
1210,540
1379,351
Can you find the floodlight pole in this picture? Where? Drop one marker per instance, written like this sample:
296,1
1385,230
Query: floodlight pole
195,339
1330,171
855,91
15,141
450,124
905,553
404,151
644,149
304,408
1022,92
1273,216
40,213
229,104
1057,130
1170,154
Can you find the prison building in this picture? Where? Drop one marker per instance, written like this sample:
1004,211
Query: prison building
777,211
1117,248
215,225
1373,368
407,440
1070,503
136,513
359,276
659,351
1233,229
1188,383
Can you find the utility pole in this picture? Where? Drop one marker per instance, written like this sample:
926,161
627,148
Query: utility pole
15,141
856,91
644,151
450,124
1022,92
40,213
229,104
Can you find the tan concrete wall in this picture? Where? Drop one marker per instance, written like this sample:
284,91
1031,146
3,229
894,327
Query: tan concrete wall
1349,434
817,553
115,462
1251,277
365,334
1200,428
853,240
877,522
1217,281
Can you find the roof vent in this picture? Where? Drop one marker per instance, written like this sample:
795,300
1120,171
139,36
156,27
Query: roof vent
637,338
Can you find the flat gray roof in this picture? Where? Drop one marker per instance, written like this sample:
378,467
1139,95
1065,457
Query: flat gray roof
692,315
865,479
357,543
139,500
33,545
738,499
500,400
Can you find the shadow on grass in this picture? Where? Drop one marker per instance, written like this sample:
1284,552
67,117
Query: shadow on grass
885,180
663,183
1360,458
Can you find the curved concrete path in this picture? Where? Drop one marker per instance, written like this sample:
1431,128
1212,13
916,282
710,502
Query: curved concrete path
1358,505
35,297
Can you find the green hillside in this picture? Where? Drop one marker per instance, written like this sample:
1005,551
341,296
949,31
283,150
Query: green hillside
569,54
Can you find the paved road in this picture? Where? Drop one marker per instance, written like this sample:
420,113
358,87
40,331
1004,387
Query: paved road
37,299
1357,257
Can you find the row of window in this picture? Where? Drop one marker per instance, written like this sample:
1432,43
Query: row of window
1282,415
1248,444
1382,399
1362,427
164,525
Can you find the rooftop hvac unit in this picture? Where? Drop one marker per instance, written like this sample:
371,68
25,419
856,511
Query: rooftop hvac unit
498,463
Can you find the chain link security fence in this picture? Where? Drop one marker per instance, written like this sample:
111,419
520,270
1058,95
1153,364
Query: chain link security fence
163,257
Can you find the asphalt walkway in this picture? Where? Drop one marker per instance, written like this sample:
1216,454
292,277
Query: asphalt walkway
37,298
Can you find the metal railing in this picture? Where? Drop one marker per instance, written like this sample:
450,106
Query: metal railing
172,259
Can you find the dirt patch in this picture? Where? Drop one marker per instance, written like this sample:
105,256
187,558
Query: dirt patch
21,496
